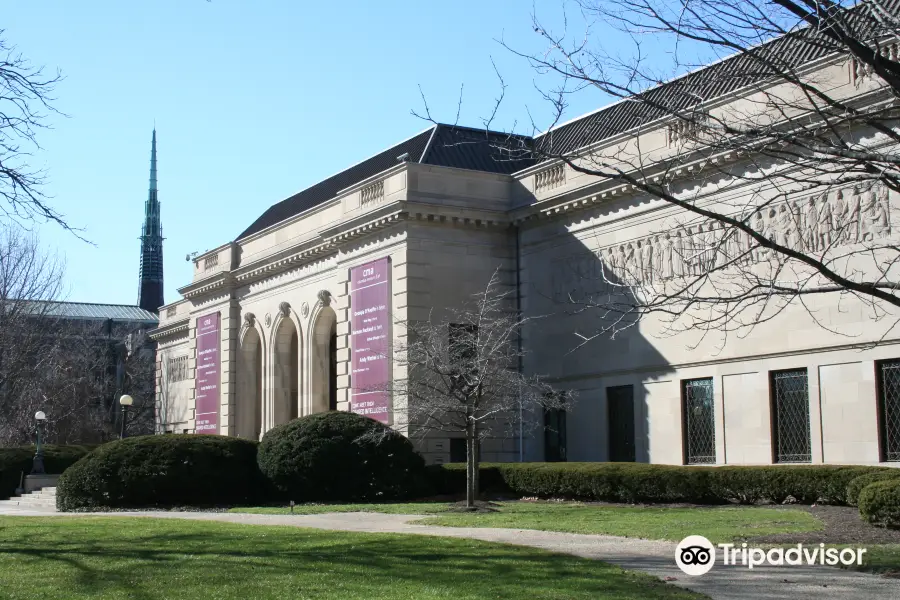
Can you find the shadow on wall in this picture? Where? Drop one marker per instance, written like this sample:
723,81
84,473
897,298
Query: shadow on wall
624,383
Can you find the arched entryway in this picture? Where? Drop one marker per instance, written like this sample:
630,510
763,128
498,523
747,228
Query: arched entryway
248,418
324,362
286,388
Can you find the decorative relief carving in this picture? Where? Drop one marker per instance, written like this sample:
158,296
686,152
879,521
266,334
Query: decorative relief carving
210,261
372,193
268,319
550,178
304,310
686,130
171,311
249,319
815,224
284,308
324,297
859,71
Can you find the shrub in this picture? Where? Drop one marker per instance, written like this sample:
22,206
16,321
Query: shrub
163,471
640,482
340,456
857,484
15,461
879,503
808,484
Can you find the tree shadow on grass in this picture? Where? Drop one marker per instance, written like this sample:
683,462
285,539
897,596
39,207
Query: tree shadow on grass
145,559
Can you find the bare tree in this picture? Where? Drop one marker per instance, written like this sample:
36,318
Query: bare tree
782,174
26,96
139,381
69,369
29,280
463,378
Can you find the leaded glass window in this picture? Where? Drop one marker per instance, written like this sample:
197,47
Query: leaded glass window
699,422
790,416
889,409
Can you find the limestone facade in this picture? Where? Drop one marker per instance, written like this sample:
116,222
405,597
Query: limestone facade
282,294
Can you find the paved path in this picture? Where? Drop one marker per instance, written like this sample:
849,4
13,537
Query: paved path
653,557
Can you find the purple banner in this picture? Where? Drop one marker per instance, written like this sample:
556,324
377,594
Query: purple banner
207,381
370,335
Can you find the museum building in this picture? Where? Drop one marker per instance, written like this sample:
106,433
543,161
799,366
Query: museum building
280,322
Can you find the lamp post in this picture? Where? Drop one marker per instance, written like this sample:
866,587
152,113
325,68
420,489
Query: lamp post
125,401
37,465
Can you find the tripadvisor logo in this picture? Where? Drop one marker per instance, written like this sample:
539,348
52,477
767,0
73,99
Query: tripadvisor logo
696,555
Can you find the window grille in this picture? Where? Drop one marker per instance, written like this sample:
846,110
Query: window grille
790,416
699,422
177,368
889,409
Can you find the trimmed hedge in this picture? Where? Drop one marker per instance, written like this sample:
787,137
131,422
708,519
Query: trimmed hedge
641,482
164,471
879,503
340,457
856,485
18,460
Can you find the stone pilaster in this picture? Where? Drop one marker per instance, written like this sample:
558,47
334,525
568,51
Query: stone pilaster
192,374
231,326
342,311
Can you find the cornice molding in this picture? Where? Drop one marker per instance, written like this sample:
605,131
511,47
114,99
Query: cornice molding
278,263
170,329
371,226
207,285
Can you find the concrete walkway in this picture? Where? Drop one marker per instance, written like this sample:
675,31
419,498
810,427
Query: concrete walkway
653,557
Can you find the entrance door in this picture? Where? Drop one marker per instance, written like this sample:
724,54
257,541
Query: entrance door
620,403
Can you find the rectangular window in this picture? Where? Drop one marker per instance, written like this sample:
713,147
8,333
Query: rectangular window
457,450
176,368
699,423
889,409
790,416
554,435
620,418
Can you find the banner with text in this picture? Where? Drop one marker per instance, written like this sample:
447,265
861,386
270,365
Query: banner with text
370,339
206,385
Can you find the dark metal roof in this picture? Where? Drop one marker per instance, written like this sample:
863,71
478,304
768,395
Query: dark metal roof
327,189
98,312
495,152
756,65
477,150
441,145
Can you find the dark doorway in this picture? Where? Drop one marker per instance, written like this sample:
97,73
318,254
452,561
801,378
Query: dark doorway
554,435
457,450
332,368
620,403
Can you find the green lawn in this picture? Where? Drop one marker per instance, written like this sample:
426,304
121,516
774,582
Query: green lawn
719,524
412,508
884,558
160,559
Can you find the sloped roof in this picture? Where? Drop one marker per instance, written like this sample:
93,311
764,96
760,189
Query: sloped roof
441,145
98,312
496,152
682,93
755,65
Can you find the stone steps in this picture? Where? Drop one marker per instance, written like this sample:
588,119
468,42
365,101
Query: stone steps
43,500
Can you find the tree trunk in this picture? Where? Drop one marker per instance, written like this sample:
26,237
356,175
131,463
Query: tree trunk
471,460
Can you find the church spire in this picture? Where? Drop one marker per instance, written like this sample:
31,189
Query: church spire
150,291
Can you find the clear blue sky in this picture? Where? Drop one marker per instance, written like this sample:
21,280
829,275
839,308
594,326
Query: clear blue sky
252,103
